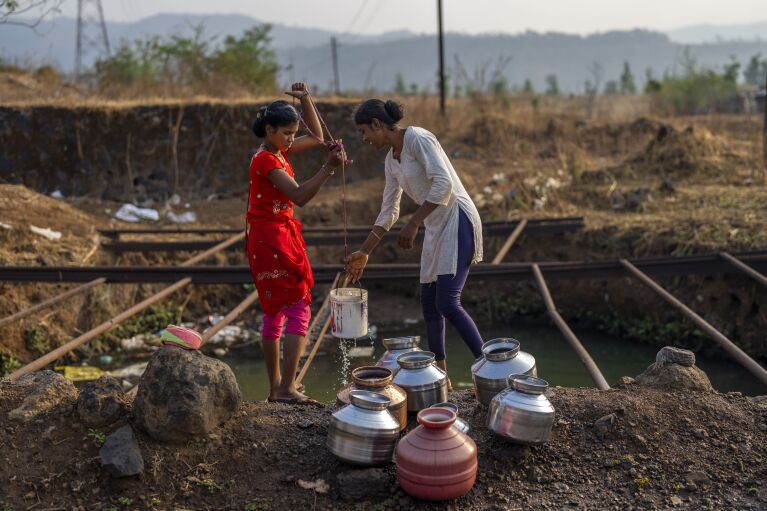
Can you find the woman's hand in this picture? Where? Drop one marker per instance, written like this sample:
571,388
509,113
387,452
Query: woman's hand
298,90
407,235
337,155
355,265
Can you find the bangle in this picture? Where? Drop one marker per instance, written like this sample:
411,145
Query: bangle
376,235
328,171
302,96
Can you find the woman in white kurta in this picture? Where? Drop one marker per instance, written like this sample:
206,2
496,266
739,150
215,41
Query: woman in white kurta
417,165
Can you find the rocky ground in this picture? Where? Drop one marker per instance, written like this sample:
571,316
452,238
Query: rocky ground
663,441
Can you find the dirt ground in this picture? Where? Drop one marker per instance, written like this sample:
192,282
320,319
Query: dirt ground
665,449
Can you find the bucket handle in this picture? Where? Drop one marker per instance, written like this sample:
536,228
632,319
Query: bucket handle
342,282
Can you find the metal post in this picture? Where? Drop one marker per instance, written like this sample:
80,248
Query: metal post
586,360
744,268
441,43
334,53
233,314
325,326
729,346
510,241
94,332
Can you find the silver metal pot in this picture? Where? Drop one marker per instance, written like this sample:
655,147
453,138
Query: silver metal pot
396,346
500,358
364,432
460,424
522,413
423,382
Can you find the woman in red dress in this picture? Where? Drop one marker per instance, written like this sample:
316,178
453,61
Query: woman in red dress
276,250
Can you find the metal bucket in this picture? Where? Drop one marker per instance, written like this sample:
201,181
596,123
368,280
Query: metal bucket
522,413
348,312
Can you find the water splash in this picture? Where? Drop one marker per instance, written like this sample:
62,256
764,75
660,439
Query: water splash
343,345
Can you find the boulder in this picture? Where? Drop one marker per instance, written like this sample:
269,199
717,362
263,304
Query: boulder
120,454
102,402
674,369
184,394
44,390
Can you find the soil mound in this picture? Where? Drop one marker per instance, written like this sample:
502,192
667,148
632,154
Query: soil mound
682,153
659,449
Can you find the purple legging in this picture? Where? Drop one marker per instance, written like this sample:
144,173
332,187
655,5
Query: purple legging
442,299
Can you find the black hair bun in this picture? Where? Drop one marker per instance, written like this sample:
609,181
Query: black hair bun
394,110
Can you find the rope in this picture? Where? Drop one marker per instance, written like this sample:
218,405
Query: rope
331,144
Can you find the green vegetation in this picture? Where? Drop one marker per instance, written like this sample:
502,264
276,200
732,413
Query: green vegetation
552,85
36,339
154,320
98,437
8,363
192,63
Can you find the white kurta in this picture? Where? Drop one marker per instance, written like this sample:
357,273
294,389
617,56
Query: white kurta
425,174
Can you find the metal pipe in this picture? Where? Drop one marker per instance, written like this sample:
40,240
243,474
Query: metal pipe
233,314
51,301
729,346
510,241
318,341
743,267
586,360
92,333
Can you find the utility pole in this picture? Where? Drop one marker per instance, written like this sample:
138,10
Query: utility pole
764,134
441,59
334,52
91,32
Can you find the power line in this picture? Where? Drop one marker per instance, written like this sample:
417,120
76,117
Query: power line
356,16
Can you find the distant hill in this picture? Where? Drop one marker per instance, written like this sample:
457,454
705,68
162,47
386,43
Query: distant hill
372,62
696,34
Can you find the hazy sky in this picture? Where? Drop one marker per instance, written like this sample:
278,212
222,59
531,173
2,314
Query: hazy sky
473,16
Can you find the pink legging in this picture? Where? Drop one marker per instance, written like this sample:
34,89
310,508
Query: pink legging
297,315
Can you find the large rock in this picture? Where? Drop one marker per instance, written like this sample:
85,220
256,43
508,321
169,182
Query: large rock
44,390
102,402
120,455
184,394
674,369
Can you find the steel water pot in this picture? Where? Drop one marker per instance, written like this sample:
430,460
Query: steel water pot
460,424
500,358
396,346
377,379
364,432
423,382
522,413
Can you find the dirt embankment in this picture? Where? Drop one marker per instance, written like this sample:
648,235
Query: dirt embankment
633,447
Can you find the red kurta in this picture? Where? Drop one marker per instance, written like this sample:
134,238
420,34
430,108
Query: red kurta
276,249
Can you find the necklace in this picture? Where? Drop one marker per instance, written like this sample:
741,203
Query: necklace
278,154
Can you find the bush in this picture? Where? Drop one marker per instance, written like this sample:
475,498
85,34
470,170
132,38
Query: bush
191,64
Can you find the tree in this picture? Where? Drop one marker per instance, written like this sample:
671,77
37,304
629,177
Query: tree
612,88
527,88
248,60
731,71
628,84
27,13
755,71
552,85
399,85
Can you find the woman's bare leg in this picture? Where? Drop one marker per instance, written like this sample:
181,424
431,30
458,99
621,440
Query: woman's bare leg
293,349
271,349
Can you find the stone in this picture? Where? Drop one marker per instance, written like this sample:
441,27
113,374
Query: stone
665,376
675,501
45,390
102,402
671,355
696,477
365,484
625,380
120,455
604,424
184,395
561,487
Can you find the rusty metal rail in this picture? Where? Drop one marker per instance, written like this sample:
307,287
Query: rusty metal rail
729,346
231,316
332,236
321,335
583,354
710,264
117,233
94,332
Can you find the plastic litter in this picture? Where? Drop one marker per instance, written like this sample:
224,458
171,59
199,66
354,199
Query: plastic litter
81,373
56,194
45,232
131,213
131,372
186,217
5,226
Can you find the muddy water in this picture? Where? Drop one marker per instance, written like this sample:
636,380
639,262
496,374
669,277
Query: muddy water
556,362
